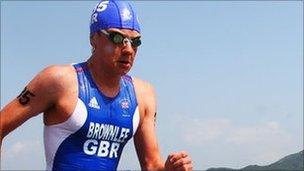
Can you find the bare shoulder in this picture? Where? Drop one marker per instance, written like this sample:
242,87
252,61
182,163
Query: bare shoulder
56,77
146,97
58,73
53,82
143,87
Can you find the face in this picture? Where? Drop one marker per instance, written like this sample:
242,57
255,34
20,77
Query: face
115,58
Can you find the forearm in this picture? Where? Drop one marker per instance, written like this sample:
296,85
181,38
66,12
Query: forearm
153,166
12,116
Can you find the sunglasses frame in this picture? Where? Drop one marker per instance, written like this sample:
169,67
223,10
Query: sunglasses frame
118,39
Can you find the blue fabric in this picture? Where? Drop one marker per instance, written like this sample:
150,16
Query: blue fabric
104,113
113,14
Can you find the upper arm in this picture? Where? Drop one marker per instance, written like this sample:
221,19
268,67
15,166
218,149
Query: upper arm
145,139
39,95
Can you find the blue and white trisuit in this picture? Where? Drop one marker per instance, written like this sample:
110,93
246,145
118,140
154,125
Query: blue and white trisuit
95,134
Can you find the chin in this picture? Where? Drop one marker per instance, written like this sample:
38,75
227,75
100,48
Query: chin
124,72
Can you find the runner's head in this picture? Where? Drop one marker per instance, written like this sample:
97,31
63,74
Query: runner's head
114,36
113,14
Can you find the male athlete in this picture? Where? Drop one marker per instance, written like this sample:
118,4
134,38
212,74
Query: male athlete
92,109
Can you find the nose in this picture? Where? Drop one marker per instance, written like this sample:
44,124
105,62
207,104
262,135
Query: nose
126,41
127,46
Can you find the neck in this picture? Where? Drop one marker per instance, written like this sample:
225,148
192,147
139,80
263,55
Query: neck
107,82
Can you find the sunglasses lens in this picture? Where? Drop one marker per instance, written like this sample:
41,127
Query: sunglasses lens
117,38
136,42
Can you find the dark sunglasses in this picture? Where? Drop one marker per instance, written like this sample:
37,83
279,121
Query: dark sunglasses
119,39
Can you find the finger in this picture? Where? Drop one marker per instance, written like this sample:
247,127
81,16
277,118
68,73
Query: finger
184,153
178,156
182,161
171,156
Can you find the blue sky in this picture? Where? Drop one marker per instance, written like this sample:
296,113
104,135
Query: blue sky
228,75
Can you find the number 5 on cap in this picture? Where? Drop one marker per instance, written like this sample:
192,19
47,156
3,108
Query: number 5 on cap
102,6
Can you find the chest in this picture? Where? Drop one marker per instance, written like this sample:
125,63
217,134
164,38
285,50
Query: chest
118,111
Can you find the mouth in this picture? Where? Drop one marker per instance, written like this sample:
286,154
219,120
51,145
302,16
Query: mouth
124,64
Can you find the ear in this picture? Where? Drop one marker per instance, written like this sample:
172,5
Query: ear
93,41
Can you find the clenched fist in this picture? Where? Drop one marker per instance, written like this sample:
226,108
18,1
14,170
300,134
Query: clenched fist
179,161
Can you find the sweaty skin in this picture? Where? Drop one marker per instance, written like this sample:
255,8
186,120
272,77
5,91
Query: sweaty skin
54,92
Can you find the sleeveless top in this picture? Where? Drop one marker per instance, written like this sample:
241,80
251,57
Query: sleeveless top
94,136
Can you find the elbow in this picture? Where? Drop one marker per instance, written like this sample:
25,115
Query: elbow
4,130
3,133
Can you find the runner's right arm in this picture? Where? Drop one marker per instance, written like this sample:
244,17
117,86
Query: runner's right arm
38,96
